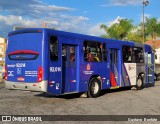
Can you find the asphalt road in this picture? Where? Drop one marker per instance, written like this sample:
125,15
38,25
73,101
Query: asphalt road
111,102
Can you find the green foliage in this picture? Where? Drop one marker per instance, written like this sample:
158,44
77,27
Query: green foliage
118,30
136,34
125,30
152,28
135,37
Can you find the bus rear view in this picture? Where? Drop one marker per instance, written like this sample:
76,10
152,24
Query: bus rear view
24,69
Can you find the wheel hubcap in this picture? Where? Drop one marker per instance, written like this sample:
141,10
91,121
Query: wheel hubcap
95,88
139,82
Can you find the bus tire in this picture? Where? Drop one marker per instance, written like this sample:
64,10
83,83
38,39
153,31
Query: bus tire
155,77
139,83
94,88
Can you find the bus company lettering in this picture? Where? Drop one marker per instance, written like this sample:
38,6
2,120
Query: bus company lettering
11,66
20,64
31,73
55,69
88,72
88,67
133,65
130,67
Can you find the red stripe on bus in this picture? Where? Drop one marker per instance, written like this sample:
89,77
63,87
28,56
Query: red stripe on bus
23,52
113,80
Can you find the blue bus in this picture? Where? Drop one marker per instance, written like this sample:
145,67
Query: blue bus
58,62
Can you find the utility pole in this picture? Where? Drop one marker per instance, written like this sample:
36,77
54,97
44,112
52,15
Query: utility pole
144,3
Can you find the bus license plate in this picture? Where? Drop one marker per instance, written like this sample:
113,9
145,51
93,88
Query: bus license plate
20,78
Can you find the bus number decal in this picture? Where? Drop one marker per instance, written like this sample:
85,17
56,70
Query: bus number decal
20,65
55,69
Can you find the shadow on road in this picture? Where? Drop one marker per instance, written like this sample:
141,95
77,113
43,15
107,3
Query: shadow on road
67,96
103,92
77,95
114,90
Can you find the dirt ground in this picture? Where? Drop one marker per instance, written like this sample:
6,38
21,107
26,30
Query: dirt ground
111,102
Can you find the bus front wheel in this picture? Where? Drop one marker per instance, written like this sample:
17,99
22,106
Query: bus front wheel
139,84
94,88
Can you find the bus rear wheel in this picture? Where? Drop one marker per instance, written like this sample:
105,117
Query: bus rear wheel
139,84
94,88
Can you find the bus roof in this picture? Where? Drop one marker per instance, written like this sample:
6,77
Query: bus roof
69,34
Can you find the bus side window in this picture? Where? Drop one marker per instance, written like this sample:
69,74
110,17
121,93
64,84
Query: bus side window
138,55
53,48
93,51
64,53
87,54
72,54
127,54
104,52
141,55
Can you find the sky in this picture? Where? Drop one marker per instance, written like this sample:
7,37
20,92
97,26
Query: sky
78,16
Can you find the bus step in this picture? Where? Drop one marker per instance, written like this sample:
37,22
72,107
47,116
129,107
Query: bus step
116,87
150,82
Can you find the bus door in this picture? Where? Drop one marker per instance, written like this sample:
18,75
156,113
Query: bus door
55,69
114,67
150,68
69,72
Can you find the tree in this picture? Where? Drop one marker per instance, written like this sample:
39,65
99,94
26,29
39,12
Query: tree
111,31
152,28
152,31
118,30
135,35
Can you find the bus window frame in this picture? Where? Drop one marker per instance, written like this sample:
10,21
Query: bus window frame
87,48
141,54
126,61
51,46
